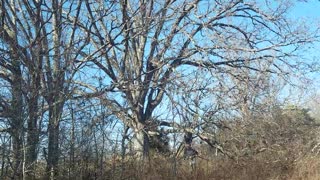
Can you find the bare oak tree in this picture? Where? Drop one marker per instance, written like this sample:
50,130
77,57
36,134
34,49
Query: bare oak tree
142,46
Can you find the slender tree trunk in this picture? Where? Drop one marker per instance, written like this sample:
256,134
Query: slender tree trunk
3,160
72,145
123,142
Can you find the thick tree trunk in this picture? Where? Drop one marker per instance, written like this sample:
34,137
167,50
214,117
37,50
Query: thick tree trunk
17,120
189,152
53,151
32,121
57,99
53,142
31,155
32,139
17,154
141,142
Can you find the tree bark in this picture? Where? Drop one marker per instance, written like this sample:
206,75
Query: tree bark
141,142
72,146
55,97
32,136
16,118
53,144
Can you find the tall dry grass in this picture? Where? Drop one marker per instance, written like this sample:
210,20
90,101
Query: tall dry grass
249,168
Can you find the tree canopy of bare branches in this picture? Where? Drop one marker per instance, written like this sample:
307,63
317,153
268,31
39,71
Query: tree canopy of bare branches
198,59
143,46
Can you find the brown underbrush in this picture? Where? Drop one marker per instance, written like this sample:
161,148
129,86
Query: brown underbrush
246,168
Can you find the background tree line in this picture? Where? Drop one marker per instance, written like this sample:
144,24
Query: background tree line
86,84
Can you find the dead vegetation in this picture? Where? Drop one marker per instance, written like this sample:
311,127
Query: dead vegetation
284,147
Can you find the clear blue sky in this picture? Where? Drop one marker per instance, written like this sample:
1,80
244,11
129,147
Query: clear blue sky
309,9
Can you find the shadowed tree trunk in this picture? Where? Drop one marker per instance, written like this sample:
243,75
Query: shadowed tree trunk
53,141
17,122
16,109
55,96
33,95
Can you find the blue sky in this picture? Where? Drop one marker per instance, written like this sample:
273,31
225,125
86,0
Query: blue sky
307,9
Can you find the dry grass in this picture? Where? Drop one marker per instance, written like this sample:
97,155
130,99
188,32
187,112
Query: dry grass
221,169
282,148
263,166
307,168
